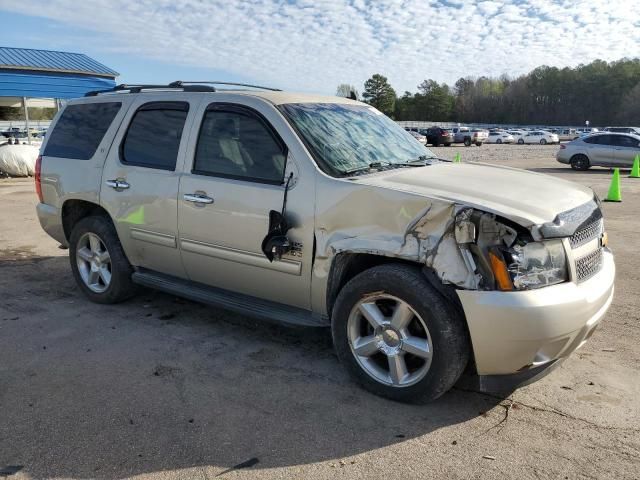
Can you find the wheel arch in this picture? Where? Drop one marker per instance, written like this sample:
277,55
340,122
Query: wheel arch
74,210
347,265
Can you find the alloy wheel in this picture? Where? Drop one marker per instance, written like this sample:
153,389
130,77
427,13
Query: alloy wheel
94,262
389,340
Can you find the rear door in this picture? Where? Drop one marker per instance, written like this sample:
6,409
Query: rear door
141,177
600,150
625,150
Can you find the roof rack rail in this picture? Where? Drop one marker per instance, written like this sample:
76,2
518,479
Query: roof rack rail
138,88
180,83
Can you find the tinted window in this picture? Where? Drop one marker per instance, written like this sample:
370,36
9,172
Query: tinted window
600,139
624,141
154,134
80,130
239,144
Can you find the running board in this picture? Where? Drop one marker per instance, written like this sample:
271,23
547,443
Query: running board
236,302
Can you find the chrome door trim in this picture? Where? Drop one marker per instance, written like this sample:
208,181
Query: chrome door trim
240,256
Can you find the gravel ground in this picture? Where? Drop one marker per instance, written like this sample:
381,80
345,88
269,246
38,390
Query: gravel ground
163,388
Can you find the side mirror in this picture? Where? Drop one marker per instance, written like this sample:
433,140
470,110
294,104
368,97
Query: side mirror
276,247
276,243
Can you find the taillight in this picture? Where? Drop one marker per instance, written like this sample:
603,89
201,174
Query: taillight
38,178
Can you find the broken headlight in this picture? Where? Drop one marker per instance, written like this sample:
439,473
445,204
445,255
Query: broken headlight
537,264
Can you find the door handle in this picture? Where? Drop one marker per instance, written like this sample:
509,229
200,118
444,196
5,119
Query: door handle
117,184
197,198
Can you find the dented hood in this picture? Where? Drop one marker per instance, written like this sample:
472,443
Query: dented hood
527,198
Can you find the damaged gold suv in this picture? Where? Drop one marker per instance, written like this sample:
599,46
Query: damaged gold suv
321,211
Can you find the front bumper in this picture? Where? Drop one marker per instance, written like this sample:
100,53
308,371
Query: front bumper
516,331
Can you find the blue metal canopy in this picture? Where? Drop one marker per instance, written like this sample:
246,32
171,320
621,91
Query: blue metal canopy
48,74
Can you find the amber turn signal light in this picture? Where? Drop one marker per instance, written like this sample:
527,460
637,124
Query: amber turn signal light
500,272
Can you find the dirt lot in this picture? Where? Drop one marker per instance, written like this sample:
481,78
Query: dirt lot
164,388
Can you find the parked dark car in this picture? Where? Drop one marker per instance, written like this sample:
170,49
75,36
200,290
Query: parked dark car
439,136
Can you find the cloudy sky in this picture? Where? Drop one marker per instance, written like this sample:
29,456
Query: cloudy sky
315,45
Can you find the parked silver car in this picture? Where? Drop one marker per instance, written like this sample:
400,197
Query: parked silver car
322,211
600,150
634,130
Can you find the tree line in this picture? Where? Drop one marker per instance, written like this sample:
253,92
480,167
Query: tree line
600,92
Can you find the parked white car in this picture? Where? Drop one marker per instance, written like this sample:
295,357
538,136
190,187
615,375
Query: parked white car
500,137
517,134
539,136
421,138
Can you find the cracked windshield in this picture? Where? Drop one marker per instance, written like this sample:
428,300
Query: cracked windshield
348,139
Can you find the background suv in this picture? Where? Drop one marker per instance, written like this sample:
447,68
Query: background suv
437,136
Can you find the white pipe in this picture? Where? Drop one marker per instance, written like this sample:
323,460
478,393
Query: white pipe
26,118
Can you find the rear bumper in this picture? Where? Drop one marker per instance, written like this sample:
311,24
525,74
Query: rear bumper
51,221
513,332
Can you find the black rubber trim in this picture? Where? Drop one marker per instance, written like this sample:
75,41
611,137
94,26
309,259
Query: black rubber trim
237,302
505,384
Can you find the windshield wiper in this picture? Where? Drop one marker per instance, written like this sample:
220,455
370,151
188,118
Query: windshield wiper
380,166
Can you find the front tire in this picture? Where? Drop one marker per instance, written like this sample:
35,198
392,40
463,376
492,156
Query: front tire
98,262
467,142
397,336
520,141
499,141
543,141
478,144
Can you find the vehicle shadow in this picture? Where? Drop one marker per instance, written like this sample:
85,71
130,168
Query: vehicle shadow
162,384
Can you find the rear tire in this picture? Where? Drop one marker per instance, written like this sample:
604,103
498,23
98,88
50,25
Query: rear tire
447,144
412,344
478,144
98,262
435,143
499,141
580,162
520,141
543,141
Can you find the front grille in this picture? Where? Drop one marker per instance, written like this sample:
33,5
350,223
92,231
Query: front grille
588,265
586,234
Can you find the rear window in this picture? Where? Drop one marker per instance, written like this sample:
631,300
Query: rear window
80,130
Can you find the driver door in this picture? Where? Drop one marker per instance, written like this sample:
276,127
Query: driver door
234,175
